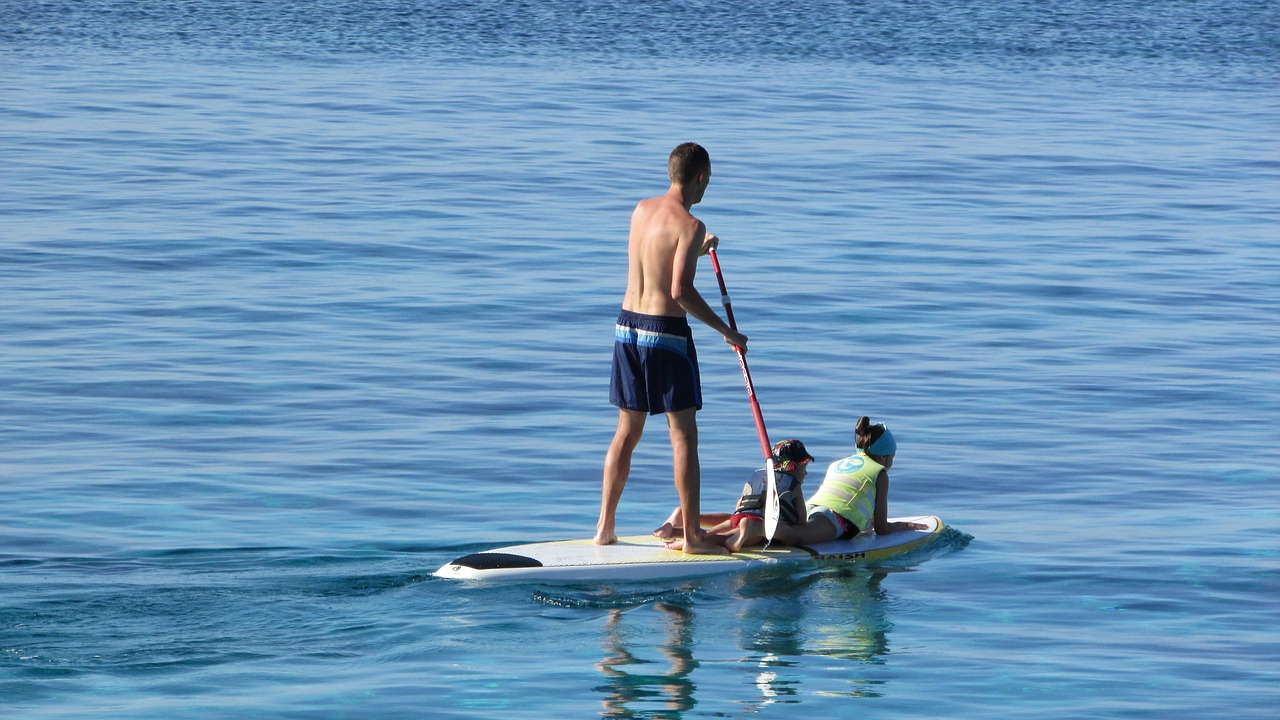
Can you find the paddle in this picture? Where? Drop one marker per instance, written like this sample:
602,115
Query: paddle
771,509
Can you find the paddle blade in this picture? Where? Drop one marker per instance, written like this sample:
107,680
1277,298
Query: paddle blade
772,511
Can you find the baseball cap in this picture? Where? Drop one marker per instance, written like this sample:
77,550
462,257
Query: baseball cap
787,454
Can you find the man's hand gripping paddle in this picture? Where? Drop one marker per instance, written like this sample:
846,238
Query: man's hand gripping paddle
771,509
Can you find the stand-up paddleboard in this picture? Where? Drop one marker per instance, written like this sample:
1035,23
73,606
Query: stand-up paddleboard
644,557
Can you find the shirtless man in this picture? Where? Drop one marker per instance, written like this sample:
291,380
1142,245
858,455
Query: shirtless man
655,368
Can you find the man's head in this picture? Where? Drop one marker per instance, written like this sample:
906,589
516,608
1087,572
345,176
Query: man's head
688,161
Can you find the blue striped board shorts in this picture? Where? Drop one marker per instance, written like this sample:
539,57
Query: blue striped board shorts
655,368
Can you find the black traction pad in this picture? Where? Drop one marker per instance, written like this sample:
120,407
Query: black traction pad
496,561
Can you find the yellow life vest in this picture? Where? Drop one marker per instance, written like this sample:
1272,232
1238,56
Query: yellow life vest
849,489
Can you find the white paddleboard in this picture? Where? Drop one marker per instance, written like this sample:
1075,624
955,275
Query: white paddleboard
643,557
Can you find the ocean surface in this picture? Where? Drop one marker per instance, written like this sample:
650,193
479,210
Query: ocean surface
300,300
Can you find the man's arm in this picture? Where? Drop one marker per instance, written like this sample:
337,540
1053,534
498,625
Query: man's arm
688,250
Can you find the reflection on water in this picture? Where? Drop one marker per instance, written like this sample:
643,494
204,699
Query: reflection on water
777,627
627,693
865,636
771,629
781,620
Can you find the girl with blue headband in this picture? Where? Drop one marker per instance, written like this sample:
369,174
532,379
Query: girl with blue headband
854,496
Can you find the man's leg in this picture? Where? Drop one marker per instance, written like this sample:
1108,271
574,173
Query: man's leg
617,466
683,426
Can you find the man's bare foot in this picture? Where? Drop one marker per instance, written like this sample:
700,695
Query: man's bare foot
668,531
605,538
700,544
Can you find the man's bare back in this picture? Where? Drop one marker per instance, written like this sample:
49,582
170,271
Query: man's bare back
663,232
665,243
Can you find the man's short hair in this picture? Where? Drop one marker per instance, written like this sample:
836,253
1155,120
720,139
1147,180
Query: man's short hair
686,161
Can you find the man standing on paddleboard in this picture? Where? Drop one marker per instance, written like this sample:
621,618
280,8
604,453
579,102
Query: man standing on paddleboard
655,368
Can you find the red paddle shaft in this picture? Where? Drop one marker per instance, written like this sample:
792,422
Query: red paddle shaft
742,361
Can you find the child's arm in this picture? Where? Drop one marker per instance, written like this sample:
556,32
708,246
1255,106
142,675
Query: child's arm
880,519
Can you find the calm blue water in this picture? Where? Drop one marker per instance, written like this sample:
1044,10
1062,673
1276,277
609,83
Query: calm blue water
300,300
